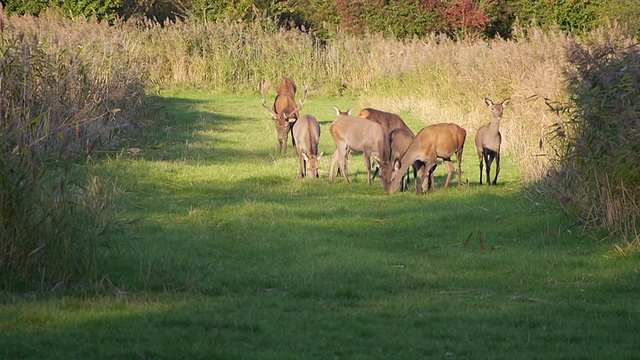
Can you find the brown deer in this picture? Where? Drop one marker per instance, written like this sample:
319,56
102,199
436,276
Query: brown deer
399,141
286,87
306,132
387,120
432,142
351,133
284,111
488,140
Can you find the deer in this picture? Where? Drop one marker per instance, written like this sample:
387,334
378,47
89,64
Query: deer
286,87
306,133
352,133
399,140
435,141
387,120
488,140
284,111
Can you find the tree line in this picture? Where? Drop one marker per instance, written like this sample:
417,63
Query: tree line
397,18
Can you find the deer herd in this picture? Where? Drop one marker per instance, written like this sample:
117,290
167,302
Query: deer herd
385,141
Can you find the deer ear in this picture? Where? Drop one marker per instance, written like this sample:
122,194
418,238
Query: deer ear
337,110
305,157
320,155
488,102
506,102
397,165
349,112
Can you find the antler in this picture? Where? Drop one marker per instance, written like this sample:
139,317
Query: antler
263,86
302,101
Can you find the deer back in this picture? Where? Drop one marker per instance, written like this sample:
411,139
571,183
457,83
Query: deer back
399,141
306,132
286,86
449,138
387,120
358,134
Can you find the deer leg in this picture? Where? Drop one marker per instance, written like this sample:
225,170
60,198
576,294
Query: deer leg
367,164
300,167
459,161
334,160
488,159
481,156
284,142
280,146
451,169
495,180
432,180
344,161
422,174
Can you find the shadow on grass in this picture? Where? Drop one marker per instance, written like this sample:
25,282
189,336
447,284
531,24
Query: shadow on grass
184,129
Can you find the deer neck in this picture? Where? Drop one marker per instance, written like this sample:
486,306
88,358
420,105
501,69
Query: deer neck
494,126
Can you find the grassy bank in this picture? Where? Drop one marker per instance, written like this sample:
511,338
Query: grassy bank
223,253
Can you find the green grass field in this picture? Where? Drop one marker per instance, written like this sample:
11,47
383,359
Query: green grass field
218,251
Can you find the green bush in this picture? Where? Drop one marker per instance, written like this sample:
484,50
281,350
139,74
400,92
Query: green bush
58,103
50,226
101,9
599,145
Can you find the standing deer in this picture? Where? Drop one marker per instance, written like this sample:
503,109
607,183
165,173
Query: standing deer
488,140
306,133
285,111
432,142
351,133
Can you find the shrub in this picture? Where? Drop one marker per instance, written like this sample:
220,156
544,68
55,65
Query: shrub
599,144
57,103
50,225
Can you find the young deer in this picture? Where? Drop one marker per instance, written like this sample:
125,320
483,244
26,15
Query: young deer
488,140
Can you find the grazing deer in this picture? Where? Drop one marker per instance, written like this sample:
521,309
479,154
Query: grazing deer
352,133
285,111
432,142
399,141
306,132
488,140
387,120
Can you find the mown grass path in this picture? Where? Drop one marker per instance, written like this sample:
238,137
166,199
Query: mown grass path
224,253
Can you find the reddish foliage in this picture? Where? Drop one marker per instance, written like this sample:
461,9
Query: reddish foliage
412,16
465,15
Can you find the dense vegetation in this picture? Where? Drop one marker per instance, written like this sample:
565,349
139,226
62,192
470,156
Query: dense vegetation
75,88
399,18
142,202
